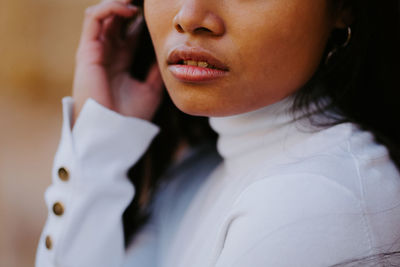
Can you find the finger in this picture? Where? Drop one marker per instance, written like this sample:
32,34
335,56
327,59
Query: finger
115,28
107,27
119,29
96,14
112,28
154,79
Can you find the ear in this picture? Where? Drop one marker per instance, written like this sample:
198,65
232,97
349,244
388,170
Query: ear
344,16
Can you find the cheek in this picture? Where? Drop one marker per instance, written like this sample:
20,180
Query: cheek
282,45
158,16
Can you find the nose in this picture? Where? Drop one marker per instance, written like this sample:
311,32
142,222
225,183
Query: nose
197,16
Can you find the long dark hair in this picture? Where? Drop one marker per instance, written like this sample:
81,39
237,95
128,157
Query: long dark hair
361,80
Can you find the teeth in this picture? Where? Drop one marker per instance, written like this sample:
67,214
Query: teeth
192,63
202,64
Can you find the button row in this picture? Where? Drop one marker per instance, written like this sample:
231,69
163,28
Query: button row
58,207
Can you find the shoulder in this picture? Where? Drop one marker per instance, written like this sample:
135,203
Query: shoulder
295,195
295,219
329,205
342,157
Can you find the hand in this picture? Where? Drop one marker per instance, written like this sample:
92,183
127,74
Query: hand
102,64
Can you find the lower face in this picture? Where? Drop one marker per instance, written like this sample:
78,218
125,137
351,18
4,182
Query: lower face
271,49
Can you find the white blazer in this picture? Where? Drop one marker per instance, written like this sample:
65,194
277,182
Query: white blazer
279,196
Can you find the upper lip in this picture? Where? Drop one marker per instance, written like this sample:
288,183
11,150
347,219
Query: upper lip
196,54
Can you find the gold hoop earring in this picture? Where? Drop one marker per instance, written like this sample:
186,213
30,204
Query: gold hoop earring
336,48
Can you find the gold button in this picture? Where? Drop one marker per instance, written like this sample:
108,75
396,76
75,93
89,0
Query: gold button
63,174
58,209
49,243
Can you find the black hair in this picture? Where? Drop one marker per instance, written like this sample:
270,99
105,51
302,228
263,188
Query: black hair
360,80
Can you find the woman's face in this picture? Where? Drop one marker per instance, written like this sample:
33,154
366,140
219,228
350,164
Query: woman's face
270,48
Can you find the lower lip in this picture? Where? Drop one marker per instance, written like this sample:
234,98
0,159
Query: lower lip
188,73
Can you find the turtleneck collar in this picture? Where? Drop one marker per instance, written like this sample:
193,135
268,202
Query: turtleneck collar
247,139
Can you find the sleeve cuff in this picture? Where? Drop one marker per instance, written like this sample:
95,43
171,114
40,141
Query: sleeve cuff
101,136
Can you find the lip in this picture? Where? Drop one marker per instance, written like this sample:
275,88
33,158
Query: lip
196,54
188,73
194,73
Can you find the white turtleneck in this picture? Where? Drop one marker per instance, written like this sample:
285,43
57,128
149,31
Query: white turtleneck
243,138
284,193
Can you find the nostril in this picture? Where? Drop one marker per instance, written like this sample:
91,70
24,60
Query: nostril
179,28
199,29
202,29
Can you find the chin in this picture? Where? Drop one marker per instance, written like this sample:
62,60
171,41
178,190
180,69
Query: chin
191,100
214,101
206,107
191,106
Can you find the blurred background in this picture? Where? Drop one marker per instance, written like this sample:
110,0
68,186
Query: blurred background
38,40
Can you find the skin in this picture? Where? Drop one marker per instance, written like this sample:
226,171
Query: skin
272,48
102,62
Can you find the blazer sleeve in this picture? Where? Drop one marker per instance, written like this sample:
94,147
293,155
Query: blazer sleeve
90,189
